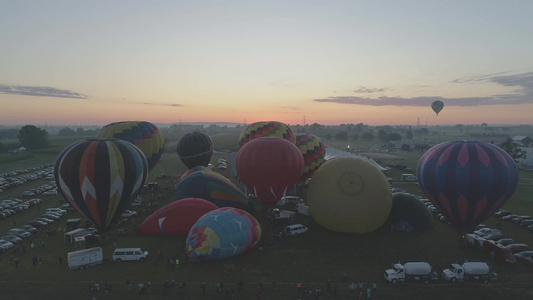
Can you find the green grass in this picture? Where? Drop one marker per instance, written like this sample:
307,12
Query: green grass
312,259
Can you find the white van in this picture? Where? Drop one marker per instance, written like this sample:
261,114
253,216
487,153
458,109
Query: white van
295,229
123,254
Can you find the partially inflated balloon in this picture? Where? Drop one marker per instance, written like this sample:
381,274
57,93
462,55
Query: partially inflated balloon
348,194
467,181
313,151
266,129
268,167
100,178
408,208
200,182
222,233
437,106
176,218
142,134
195,149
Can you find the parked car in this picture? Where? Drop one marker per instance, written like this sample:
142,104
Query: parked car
38,224
29,229
494,235
525,257
505,241
128,213
5,245
45,220
515,248
525,223
23,234
484,231
67,207
501,213
56,210
51,216
519,219
11,238
509,217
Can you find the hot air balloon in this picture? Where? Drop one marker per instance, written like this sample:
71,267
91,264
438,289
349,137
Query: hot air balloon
176,218
100,178
268,167
348,194
195,149
437,106
200,182
409,211
313,151
142,134
222,233
467,181
266,129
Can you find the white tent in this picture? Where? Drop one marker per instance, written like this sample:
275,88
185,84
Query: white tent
332,153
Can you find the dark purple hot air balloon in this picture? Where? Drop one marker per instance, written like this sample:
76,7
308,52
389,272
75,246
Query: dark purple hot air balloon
467,181
195,149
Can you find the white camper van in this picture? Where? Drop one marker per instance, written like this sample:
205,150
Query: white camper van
295,229
124,254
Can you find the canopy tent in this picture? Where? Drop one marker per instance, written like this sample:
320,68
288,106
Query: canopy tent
332,153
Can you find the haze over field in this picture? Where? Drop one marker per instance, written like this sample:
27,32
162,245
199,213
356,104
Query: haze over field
375,62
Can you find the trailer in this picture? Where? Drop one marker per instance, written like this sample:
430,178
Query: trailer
72,235
83,259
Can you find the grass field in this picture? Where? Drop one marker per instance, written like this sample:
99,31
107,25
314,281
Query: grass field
313,259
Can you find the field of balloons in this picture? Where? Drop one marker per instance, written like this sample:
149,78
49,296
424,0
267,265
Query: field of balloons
215,221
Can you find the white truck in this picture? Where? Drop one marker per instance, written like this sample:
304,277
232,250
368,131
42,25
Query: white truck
84,258
411,272
281,216
469,271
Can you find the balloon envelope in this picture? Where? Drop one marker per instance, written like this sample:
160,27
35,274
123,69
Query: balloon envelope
195,149
100,178
467,181
268,167
222,233
348,194
313,151
176,218
408,208
266,129
437,106
200,182
144,135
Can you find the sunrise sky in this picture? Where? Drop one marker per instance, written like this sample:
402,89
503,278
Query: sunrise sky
328,62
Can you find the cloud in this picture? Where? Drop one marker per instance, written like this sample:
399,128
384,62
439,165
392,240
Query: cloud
39,91
364,90
523,94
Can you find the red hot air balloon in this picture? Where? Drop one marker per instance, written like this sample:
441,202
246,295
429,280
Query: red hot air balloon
195,149
176,218
100,178
268,167
467,181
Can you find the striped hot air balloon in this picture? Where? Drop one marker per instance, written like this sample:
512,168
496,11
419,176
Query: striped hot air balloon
100,178
144,135
266,129
313,151
467,180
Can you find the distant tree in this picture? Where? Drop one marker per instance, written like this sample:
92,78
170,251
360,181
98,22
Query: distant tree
423,131
406,147
355,136
367,136
382,135
394,136
10,133
66,132
513,150
359,127
328,136
409,135
1,148
80,131
316,127
31,137
341,136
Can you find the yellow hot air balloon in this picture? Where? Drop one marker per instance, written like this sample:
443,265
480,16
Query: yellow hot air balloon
349,194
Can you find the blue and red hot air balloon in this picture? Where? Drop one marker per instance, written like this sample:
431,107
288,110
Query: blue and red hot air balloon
467,180
100,178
